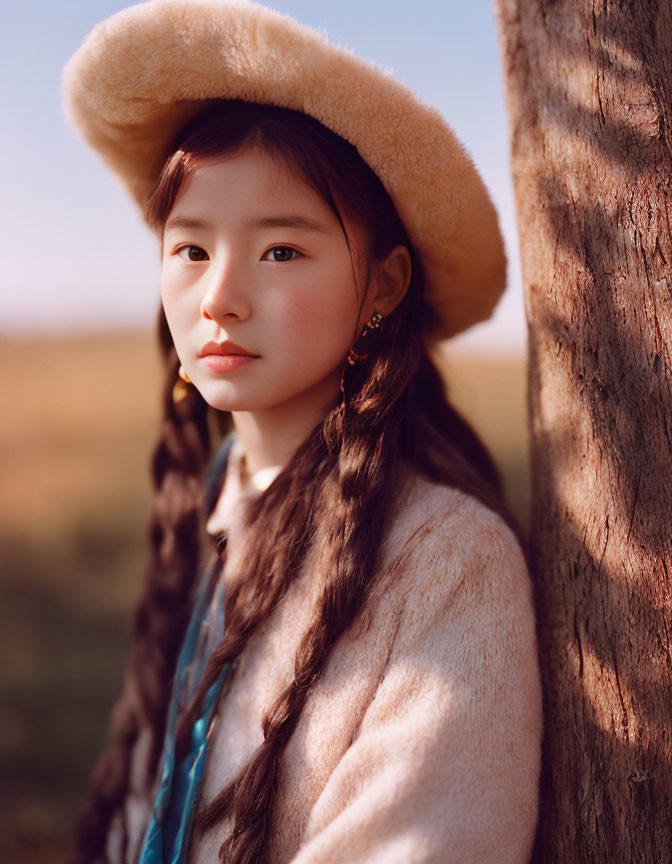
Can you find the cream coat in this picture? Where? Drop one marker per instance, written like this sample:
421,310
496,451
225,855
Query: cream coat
421,743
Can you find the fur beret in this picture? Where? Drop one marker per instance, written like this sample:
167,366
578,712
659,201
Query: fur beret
143,73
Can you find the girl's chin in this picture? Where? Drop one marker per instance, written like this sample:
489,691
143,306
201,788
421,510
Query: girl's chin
268,395
230,405
234,401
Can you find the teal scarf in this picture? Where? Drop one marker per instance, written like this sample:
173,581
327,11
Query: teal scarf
168,833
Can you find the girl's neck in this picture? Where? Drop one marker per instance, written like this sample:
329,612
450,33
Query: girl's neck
265,442
269,438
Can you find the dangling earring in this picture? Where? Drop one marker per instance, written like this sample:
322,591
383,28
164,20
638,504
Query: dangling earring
181,390
372,324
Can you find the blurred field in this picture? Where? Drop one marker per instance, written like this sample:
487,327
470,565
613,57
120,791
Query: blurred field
78,422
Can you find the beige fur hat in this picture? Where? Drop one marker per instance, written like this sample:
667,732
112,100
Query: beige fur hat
142,74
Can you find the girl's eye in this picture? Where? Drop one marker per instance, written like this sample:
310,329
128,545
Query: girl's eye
192,253
282,253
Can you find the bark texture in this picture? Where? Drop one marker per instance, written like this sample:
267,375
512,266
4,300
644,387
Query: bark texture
589,99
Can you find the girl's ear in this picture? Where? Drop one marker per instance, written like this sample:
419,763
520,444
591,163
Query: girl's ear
389,281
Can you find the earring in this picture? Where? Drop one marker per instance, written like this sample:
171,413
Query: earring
374,321
181,389
372,324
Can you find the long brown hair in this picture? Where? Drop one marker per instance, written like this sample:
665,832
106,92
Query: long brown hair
394,412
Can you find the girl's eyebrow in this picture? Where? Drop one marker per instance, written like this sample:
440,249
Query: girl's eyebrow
186,222
290,220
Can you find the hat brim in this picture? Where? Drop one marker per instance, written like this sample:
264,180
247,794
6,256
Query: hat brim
142,74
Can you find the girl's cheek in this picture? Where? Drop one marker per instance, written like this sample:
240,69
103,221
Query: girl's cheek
318,331
325,301
177,290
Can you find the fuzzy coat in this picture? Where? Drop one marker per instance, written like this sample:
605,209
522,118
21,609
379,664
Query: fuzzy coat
421,743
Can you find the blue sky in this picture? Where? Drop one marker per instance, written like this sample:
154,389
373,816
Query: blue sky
76,254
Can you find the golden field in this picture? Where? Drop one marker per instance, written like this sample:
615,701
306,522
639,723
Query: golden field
79,418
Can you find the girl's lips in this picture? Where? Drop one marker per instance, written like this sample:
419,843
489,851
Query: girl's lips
227,362
226,347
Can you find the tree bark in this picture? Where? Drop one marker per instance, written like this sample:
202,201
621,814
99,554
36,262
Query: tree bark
589,99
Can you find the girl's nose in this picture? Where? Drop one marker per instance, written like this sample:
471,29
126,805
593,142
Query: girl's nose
225,295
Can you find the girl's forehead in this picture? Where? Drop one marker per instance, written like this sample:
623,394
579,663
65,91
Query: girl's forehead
252,170
251,186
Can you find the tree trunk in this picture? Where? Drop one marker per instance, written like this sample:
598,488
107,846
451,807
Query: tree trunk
589,99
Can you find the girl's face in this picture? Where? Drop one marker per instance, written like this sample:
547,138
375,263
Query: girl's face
258,286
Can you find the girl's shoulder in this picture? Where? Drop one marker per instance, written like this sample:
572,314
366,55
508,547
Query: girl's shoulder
443,542
433,519
452,630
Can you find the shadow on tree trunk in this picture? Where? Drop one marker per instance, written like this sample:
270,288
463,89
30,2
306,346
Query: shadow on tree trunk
589,95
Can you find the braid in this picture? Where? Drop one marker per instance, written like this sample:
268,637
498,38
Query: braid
161,615
288,509
161,619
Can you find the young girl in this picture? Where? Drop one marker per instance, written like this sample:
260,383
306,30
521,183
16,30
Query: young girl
334,655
